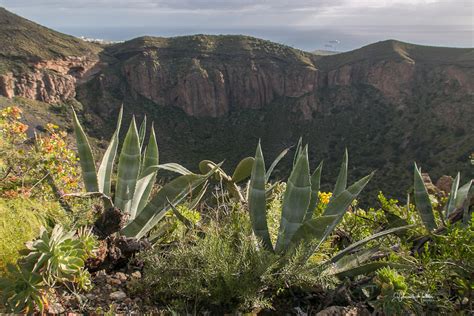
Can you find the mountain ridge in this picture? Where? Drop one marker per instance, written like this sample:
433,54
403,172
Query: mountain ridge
214,97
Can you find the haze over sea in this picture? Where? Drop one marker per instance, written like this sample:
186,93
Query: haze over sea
305,39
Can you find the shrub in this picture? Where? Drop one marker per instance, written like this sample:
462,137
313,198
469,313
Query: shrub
20,221
222,268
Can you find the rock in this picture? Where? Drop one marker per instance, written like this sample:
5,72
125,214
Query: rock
137,275
56,308
121,276
51,81
444,184
430,187
113,281
118,295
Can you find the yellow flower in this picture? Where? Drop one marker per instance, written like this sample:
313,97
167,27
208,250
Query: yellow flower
324,197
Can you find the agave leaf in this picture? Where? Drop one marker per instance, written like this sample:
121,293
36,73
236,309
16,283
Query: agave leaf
257,200
150,159
104,173
180,216
298,150
142,133
315,185
341,182
369,268
141,190
422,201
174,167
243,170
194,202
362,242
128,169
275,163
206,165
174,192
466,213
151,156
313,230
450,205
295,201
353,260
462,195
338,206
86,158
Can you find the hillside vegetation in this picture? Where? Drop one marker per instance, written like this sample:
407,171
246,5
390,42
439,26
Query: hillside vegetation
24,42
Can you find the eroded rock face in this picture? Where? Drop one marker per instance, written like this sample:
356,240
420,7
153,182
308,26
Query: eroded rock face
211,76
212,86
50,81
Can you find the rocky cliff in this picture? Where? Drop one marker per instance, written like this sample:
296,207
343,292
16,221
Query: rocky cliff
50,81
213,75
214,97
41,64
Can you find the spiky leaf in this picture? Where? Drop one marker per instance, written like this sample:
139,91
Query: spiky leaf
275,163
295,201
463,194
257,200
142,133
104,173
341,182
450,205
315,185
86,158
150,159
173,192
128,169
422,201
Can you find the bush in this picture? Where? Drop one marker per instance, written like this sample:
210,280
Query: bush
20,221
222,268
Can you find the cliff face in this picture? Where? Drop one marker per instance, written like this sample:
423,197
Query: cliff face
50,81
203,79
39,63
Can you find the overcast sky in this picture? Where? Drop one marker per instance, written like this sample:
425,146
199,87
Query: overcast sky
305,24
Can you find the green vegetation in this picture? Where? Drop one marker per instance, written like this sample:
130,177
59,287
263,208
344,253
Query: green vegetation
219,247
28,44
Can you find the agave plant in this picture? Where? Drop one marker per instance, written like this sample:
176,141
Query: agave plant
458,200
241,172
298,225
136,175
299,202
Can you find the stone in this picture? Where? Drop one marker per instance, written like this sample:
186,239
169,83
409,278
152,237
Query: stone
444,184
430,187
56,308
137,275
121,276
118,295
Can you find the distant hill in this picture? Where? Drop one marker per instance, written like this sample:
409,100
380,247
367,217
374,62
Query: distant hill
324,52
24,42
390,103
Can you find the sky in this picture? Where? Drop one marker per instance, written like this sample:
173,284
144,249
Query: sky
339,25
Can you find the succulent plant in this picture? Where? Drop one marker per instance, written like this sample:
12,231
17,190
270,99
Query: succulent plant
241,172
298,225
299,201
136,174
458,200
